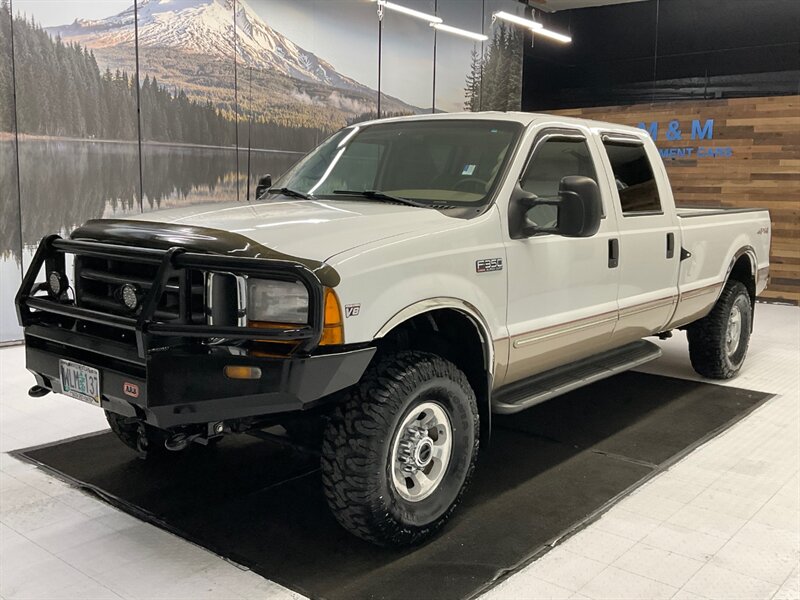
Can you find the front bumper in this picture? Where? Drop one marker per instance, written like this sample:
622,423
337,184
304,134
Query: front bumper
186,385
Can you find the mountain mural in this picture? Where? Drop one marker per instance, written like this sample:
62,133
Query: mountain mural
191,44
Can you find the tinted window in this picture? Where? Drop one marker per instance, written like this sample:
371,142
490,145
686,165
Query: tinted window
636,185
553,160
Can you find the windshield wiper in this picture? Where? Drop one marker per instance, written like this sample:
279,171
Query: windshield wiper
289,192
377,195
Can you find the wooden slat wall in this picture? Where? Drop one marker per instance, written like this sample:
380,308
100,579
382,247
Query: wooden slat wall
763,172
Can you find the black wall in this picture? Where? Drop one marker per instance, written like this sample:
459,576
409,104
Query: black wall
663,50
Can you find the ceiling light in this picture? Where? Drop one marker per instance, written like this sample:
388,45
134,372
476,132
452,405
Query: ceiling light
409,11
560,37
518,20
536,27
463,32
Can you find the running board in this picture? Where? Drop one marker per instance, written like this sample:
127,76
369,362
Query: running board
524,394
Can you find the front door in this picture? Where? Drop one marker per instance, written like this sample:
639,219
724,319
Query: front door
562,294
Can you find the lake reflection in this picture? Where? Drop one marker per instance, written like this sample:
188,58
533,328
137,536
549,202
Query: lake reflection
64,183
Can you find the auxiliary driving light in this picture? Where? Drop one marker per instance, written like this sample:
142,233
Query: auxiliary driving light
130,296
56,283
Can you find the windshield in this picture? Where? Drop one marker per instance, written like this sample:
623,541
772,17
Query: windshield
451,162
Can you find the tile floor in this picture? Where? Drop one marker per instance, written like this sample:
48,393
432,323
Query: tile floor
722,523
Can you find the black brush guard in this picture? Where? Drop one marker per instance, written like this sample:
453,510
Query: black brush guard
177,382
170,262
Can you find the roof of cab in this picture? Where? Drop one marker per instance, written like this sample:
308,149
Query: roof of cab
525,118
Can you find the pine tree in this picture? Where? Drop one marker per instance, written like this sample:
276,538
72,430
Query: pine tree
472,91
501,72
492,74
6,78
514,71
62,92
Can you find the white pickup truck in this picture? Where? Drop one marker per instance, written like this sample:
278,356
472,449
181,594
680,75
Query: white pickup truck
405,280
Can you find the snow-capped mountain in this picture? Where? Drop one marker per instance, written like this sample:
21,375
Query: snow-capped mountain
206,27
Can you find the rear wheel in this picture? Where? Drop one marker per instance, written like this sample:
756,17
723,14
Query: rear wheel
399,453
718,342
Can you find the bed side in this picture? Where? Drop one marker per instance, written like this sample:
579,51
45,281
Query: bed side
718,244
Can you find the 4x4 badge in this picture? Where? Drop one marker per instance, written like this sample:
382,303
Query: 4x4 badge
484,265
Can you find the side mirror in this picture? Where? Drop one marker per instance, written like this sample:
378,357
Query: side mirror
264,183
578,206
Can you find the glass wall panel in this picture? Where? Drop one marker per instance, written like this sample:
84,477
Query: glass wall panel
76,113
458,58
407,75
188,102
306,69
10,243
501,72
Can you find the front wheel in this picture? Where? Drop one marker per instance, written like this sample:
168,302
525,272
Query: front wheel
718,342
400,451
145,439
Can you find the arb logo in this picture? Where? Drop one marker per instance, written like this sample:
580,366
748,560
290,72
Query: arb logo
130,389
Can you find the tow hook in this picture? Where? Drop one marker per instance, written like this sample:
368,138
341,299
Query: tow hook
38,391
177,442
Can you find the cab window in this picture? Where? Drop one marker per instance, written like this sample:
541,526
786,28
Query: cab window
633,175
554,159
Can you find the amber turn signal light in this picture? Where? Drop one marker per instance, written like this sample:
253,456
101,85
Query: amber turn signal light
242,372
333,328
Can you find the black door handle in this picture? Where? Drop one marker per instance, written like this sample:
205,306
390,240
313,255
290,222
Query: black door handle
670,245
613,253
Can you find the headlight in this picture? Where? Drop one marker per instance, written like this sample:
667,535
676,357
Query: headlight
276,301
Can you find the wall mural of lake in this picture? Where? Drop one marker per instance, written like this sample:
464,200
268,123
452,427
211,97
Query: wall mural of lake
10,242
270,77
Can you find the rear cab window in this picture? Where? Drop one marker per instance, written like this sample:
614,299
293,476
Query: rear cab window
634,178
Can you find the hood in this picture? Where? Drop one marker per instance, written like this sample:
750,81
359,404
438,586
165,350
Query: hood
314,229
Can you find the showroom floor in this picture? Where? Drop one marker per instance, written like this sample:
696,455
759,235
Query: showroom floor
722,523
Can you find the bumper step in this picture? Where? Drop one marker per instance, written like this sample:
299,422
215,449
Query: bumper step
561,380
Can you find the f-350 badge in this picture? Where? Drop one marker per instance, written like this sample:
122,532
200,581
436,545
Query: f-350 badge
484,265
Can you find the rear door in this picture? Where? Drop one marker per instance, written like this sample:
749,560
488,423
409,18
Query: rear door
562,295
649,237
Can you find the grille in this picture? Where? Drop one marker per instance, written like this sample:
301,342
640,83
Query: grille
99,284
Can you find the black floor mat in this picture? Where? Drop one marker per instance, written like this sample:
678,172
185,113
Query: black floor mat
546,471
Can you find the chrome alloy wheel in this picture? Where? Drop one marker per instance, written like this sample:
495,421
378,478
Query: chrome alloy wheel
421,451
734,331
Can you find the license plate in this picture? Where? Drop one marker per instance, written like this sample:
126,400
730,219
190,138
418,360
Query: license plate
80,381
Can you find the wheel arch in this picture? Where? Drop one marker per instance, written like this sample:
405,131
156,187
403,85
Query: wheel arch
436,325
743,267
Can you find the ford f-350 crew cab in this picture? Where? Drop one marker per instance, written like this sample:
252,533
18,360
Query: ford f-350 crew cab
402,282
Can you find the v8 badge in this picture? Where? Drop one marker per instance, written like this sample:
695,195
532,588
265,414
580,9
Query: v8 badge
352,310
